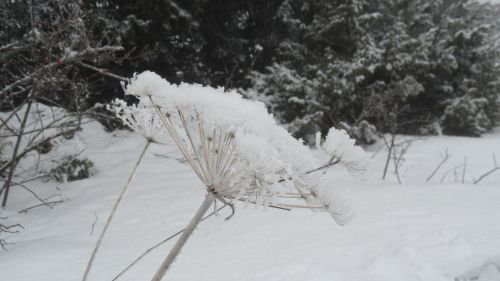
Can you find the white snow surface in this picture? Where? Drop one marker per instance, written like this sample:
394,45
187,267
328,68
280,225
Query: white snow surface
429,231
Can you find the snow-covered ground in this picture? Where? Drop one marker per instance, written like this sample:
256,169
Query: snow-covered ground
418,230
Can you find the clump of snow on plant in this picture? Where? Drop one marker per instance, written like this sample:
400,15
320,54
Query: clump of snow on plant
264,158
141,120
341,147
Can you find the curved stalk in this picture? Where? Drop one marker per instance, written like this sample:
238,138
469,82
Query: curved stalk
113,211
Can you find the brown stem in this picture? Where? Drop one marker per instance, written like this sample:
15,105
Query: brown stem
13,165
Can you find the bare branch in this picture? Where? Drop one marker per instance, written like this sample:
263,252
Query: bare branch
93,225
68,59
103,71
390,147
51,204
463,170
444,158
31,148
161,243
494,169
14,159
9,46
8,229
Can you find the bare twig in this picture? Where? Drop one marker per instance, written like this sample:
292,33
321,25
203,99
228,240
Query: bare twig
103,71
389,146
444,175
51,204
395,152
463,170
70,58
494,169
377,151
13,164
113,211
161,243
93,225
31,191
331,163
31,148
398,161
8,229
9,46
444,158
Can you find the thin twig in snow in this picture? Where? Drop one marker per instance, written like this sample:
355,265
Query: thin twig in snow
161,243
51,204
444,158
14,160
494,169
113,211
103,71
463,170
93,225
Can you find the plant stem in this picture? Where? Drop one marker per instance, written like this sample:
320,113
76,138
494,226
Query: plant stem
209,199
390,147
113,211
13,164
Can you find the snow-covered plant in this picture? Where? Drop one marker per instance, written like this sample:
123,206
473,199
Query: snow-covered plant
342,149
147,123
72,169
140,120
234,146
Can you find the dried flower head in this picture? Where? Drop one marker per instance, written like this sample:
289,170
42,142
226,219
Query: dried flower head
342,148
141,120
232,144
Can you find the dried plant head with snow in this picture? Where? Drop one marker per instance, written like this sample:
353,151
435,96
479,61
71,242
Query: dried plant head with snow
233,144
344,150
141,120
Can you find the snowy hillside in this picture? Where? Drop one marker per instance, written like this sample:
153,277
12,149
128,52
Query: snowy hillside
430,231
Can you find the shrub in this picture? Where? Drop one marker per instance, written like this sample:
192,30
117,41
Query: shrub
466,116
72,169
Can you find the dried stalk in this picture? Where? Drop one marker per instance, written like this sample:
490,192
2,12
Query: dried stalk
443,160
113,211
390,147
13,164
161,243
209,200
494,169
211,156
463,170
